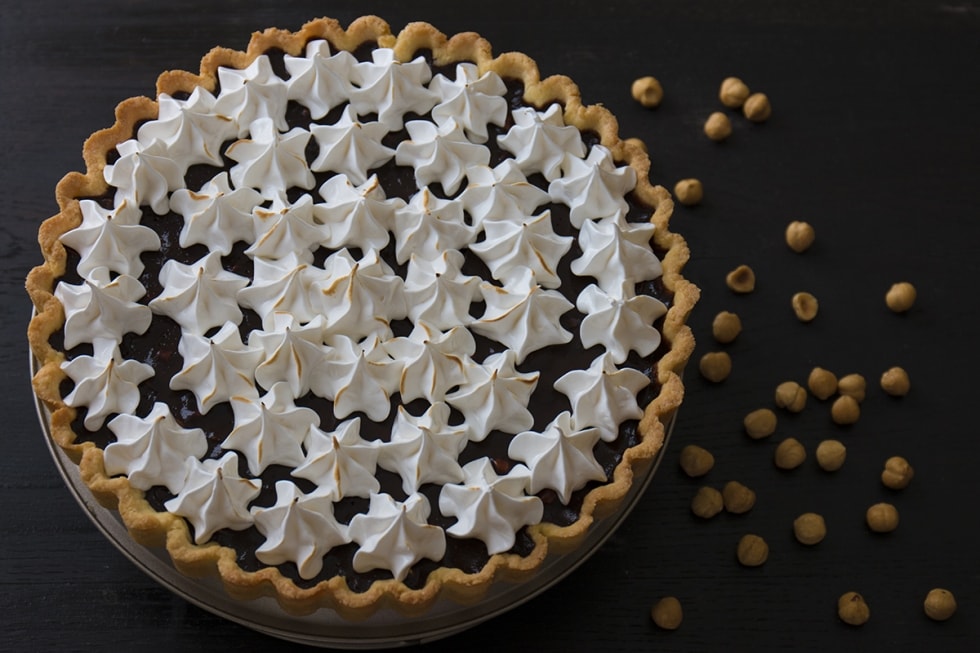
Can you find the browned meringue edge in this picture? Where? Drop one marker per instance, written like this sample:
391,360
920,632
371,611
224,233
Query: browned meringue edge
152,528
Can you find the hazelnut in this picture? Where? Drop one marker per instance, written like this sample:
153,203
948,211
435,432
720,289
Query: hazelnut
638,143
789,454
707,502
897,474
852,609
805,306
760,423
752,550
757,107
738,498
852,385
895,381
718,127
882,518
809,528
940,604
733,92
799,236
900,297
822,383
726,327
741,279
696,461
845,410
667,613
647,91
689,191
716,366
831,455
791,396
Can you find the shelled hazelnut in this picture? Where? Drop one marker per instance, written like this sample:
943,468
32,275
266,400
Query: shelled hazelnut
852,609
791,396
757,107
760,423
805,306
733,92
689,191
809,528
900,297
725,327
895,381
799,236
647,91
897,474
752,550
716,366
667,613
882,518
852,385
707,502
940,604
822,383
718,127
831,455
789,454
738,498
696,461
845,410
741,280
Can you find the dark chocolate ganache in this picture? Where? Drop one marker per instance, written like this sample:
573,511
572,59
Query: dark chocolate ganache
157,347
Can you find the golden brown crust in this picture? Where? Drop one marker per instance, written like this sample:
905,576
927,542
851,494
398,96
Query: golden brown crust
152,528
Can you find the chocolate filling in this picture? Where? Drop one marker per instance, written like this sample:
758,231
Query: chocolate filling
157,347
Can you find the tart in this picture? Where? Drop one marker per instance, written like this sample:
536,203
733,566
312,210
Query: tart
356,319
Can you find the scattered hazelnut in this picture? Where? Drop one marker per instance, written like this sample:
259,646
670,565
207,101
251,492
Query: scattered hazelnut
822,383
900,297
638,143
667,613
897,474
895,381
852,385
733,92
716,366
726,327
718,127
757,107
696,461
647,91
845,410
791,396
882,518
752,550
738,498
741,279
789,454
831,455
760,423
805,306
799,236
809,528
940,604
852,609
689,191
707,502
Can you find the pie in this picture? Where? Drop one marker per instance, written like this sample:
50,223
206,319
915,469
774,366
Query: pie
357,319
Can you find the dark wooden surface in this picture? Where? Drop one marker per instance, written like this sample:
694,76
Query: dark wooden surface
874,138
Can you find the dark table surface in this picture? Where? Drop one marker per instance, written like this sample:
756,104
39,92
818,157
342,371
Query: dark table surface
874,139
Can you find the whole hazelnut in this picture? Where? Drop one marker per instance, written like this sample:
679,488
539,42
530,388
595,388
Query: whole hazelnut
882,518
696,461
805,306
809,528
725,327
822,383
689,191
940,604
738,498
900,297
845,410
667,613
716,366
707,502
852,385
897,474
831,455
799,236
741,280
760,423
791,396
757,107
895,381
647,91
789,454
752,550
852,609
733,92
718,127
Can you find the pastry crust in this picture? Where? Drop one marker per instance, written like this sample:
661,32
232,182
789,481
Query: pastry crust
154,528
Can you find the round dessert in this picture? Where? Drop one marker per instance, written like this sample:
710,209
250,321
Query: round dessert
358,319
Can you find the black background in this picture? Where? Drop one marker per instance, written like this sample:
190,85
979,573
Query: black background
874,139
